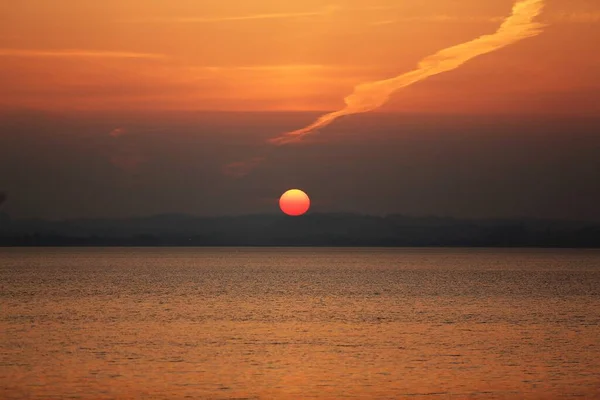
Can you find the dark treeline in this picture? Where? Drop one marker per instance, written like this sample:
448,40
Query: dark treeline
309,230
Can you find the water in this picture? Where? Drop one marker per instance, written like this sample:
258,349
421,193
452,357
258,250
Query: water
299,323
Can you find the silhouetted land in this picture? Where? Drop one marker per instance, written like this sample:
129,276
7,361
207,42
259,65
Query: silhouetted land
309,230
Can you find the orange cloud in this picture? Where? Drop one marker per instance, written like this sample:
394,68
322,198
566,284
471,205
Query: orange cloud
75,54
325,11
372,95
439,18
118,132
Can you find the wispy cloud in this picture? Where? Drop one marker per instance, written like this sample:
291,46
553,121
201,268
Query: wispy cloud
232,18
74,53
560,17
240,169
118,132
370,96
440,18
267,68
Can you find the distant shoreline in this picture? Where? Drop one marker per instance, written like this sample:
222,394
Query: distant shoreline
291,246
312,230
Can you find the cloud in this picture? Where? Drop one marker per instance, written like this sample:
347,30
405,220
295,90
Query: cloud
268,68
125,156
250,17
240,169
72,53
561,17
440,18
370,96
118,132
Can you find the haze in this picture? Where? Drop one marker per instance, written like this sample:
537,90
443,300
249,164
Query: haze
130,107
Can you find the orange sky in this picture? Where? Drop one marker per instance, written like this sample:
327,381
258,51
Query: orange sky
264,55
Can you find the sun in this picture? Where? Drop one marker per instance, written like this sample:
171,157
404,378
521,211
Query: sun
294,202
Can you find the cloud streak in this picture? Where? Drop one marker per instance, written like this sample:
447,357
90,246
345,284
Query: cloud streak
73,53
372,95
118,132
240,169
251,17
439,18
581,17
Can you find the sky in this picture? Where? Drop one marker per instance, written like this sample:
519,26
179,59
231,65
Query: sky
135,107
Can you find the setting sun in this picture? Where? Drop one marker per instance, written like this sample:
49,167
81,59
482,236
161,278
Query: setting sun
294,202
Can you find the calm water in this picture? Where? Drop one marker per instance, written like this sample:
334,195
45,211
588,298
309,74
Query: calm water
299,323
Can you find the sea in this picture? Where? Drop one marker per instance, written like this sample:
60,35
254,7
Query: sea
299,323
